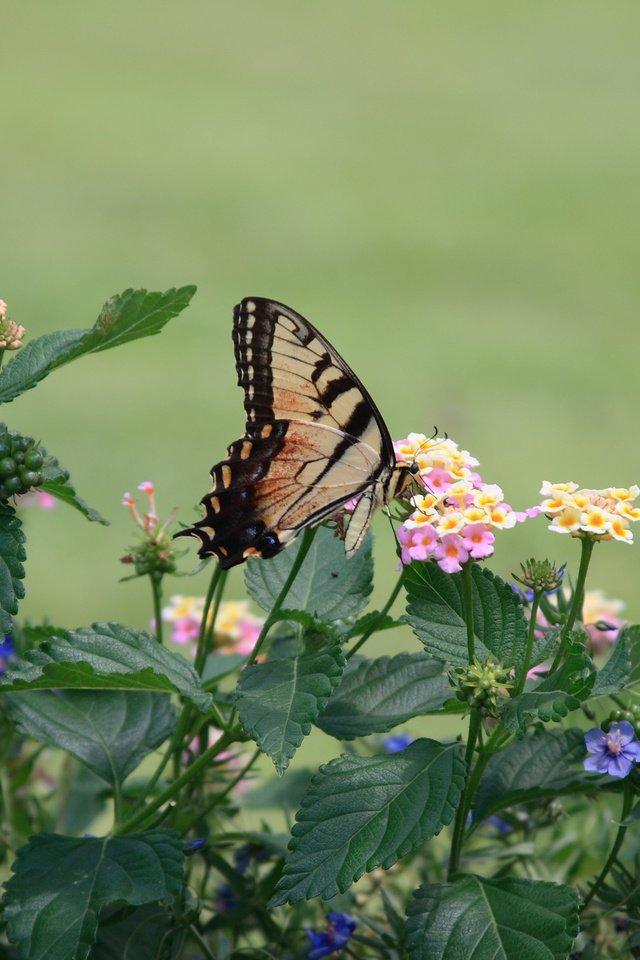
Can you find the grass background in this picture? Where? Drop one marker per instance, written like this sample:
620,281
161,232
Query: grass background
449,192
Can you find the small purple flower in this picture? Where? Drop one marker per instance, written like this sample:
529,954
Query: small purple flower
7,652
340,926
614,752
192,846
397,742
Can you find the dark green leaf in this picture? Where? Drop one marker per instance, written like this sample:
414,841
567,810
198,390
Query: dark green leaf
375,619
376,695
329,586
555,696
219,665
128,316
109,731
83,799
615,673
138,934
365,812
539,765
12,553
61,883
478,919
632,633
435,611
279,700
106,656
57,483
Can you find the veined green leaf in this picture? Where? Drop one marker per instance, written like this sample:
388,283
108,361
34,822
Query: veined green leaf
57,483
12,555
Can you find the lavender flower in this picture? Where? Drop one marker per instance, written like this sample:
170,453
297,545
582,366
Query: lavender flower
614,752
340,927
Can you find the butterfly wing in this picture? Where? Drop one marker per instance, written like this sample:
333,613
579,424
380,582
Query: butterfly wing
314,439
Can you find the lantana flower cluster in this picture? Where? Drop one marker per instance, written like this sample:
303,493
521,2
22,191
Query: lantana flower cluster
599,514
455,519
11,333
154,555
236,630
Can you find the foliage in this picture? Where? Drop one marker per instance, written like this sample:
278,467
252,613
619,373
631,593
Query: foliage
149,747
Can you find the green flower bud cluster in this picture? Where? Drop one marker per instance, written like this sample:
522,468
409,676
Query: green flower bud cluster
151,558
482,685
541,576
21,461
631,714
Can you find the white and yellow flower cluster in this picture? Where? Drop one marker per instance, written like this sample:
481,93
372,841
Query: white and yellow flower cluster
237,629
600,514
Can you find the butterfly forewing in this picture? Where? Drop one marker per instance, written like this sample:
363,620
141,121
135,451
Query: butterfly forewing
314,440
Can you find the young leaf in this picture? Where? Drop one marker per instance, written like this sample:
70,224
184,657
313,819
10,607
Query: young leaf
57,483
555,696
278,700
482,919
329,586
106,656
540,765
435,611
61,883
360,813
615,674
110,732
129,316
12,553
376,695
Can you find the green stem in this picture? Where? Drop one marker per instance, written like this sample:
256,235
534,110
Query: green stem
138,819
461,812
219,797
530,637
467,587
373,626
201,943
201,651
156,589
626,808
576,605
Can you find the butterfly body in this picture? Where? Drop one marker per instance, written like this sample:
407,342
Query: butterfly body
314,440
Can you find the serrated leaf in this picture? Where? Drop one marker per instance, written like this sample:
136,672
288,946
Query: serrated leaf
110,732
478,919
61,883
436,614
57,483
539,765
375,619
125,317
633,635
106,656
328,585
12,554
615,674
555,696
360,813
279,699
376,695
139,934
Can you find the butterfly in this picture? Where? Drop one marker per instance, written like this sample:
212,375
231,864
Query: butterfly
314,440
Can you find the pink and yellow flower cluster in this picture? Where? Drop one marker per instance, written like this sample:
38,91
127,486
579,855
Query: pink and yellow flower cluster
236,631
599,514
455,519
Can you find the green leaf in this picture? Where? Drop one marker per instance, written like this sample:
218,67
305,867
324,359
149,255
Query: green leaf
280,793
84,799
61,883
632,633
329,586
279,700
373,618
555,696
106,656
12,553
57,483
539,765
365,812
128,316
219,665
110,732
480,919
435,611
139,934
615,674
376,695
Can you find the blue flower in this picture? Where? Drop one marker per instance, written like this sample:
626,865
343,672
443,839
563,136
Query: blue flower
614,752
7,652
192,846
340,926
501,825
397,742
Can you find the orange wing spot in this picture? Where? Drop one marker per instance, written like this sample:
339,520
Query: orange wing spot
251,552
215,504
266,431
247,447
223,551
226,475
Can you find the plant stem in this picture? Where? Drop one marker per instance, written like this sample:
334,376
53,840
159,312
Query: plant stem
467,586
626,808
576,604
156,589
530,637
219,797
203,946
201,651
461,812
372,626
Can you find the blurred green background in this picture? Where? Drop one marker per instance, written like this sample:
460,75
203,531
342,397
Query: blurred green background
450,192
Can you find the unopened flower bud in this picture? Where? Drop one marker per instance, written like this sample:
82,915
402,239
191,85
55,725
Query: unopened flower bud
541,576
